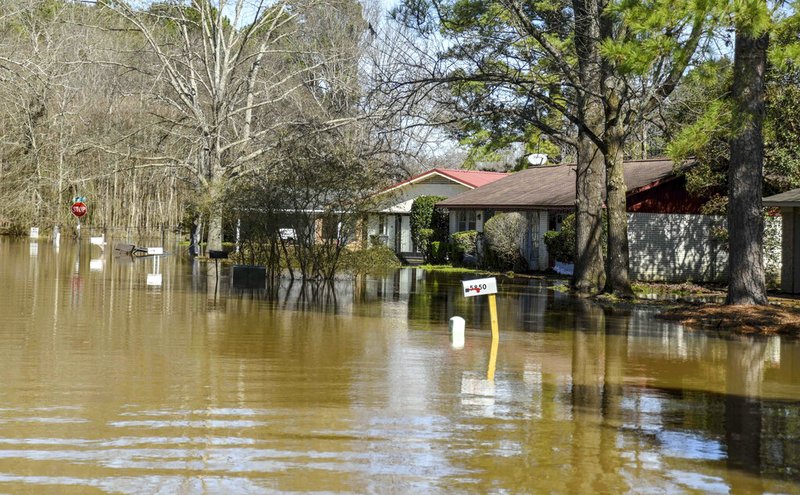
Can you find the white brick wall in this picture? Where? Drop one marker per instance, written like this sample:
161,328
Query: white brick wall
676,247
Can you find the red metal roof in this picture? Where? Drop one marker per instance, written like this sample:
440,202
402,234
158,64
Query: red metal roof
474,178
469,178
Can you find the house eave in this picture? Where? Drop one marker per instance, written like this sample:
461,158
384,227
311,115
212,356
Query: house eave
505,207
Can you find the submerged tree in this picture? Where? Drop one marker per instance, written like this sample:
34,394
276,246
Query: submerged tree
304,215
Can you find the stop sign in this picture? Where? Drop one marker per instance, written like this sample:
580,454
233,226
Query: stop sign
78,209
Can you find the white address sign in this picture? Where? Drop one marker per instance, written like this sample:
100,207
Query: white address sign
479,287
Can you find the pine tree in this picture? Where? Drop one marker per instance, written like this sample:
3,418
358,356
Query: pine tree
745,215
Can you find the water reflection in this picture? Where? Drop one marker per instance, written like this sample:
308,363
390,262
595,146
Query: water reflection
195,386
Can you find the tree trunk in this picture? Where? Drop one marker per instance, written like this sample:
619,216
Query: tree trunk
618,280
745,215
215,197
589,273
214,241
614,95
194,242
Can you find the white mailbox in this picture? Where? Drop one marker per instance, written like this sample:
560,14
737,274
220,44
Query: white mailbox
480,287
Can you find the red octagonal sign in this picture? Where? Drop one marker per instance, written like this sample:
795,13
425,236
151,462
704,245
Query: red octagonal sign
79,209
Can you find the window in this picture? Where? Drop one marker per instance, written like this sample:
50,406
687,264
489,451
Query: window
465,220
381,224
556,219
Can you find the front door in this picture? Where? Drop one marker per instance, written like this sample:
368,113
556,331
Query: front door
398,233
406,245
532,235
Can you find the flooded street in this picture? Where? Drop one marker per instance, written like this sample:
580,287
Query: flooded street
116,380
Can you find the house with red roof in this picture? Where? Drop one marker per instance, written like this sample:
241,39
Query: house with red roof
390,220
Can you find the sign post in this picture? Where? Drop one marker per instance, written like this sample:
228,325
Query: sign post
79,209
487,287
484,287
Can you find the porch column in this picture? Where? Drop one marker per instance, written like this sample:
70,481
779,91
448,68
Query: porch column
544,258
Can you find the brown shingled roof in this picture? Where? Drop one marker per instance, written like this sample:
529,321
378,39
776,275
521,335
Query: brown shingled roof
551,187
788,198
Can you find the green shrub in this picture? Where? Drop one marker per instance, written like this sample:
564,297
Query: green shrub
561,244
463,244
438,252
425,237
504,233
376,240
428,223
375,259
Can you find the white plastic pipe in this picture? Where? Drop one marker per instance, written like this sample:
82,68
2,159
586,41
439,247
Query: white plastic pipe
457,325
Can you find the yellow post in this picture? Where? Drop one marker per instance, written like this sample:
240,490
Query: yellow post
493,315
492,359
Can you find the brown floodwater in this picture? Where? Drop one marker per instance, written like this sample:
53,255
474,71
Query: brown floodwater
153,376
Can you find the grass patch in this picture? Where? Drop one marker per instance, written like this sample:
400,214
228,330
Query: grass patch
476,271
562,288
450,269
683,289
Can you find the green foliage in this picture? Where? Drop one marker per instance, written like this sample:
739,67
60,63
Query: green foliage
504,233
705,138
174,16
438,252
751,16
513,66
463,244
702,122
424,237
373,260
428,223
782,132
650,32
561,244
495,72
716,205
785,44
703,178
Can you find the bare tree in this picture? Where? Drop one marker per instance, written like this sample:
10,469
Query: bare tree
222,71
